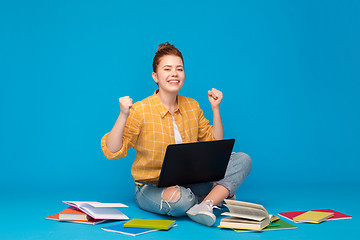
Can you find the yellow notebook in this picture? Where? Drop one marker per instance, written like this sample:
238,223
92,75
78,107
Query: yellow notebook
313,216
150,223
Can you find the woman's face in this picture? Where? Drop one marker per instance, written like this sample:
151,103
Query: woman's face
170,74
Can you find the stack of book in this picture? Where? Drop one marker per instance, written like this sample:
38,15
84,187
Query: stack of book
250,217
137,226
314,216
89,212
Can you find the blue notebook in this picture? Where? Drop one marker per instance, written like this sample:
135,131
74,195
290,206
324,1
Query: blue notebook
119,228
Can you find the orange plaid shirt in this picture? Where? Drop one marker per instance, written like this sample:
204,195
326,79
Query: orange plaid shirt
149,130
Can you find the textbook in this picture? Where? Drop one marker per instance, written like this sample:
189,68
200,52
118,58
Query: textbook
72,213
150,224
99,210
276,225
91,221
119,228
245,215
313,217
337,215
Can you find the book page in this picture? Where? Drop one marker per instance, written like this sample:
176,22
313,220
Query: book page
247,212
244,204
99,204
103,212
94,204
239,220
77,203
244,216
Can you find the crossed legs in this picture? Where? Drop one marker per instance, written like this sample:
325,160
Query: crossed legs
176,200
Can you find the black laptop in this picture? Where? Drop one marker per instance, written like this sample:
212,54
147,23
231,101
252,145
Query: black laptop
198,162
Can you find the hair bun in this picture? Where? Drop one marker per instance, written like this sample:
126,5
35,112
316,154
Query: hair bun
164,45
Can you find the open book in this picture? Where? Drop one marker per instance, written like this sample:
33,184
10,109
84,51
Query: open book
244,215
99,210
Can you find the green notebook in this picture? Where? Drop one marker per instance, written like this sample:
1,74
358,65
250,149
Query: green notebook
277,225
150,223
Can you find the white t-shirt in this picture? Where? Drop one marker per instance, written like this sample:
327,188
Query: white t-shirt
177,134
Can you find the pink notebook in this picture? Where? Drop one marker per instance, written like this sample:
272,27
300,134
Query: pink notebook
337,215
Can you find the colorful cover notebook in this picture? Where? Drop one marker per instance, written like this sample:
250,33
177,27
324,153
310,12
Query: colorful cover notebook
150,224
276,225
337,215
90,221
119,228
313,216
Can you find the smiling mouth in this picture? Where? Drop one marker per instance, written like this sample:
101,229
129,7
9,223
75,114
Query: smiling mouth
174,81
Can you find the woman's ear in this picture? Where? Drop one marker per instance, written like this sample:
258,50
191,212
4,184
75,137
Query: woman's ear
154,76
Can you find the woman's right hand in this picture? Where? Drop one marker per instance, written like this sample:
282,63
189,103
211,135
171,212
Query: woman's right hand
125,105
114,140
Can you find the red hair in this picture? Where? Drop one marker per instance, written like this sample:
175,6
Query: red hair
163,50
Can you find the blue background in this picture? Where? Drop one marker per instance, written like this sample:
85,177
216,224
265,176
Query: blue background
289,71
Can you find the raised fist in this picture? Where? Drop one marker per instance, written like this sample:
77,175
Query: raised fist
125,104
215,97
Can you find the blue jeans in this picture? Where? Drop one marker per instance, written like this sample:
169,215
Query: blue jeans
149,197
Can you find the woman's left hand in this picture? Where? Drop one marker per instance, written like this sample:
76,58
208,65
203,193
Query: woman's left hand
215,97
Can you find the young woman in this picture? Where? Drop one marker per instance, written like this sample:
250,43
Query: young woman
164,118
